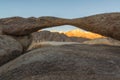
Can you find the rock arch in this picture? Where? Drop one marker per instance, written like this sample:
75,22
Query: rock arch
107,24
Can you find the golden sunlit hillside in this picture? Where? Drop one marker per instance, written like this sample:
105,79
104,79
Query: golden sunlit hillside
81,33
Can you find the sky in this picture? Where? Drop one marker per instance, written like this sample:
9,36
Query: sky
58,8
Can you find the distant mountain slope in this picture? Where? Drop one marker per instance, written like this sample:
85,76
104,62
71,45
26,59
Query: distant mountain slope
81,33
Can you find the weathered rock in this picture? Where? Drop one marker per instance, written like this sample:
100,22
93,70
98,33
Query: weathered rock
25,26
9,49
67,62
49,36
42,44
1,33
107,24
39,39
105,41
25,41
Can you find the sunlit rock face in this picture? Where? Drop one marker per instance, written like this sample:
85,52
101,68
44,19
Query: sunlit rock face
107,24
65,62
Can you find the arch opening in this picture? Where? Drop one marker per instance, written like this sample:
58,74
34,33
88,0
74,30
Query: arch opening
72,31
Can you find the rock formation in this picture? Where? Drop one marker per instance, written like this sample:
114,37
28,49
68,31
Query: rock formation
66,62
54,36
42,44
104,41
25,41
59,60
23,26
107,24
49,36
38,38
9,49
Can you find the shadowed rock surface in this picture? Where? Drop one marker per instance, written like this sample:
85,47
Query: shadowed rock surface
107,24
67,62
25,41
105,41
9,49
